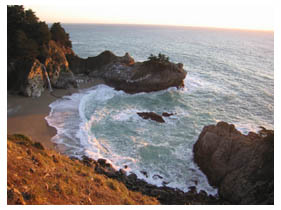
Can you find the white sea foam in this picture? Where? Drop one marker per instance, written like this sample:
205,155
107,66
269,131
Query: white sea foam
75,118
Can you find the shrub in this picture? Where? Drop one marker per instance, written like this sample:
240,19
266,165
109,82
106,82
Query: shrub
160,59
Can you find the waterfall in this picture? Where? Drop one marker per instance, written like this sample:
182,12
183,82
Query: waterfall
48,79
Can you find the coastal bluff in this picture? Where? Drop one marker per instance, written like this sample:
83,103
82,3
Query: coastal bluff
240,166
40,176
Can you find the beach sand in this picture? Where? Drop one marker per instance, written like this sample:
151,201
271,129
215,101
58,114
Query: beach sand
26,115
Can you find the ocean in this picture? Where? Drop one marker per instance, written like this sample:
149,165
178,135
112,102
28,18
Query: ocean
230,77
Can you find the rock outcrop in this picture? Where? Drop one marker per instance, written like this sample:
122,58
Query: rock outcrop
241,166
123,73
28,76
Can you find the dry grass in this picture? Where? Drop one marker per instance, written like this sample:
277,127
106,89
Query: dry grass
40,176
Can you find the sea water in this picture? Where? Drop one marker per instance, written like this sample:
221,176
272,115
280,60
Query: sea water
230,77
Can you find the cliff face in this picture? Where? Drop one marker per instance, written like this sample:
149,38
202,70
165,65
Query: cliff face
55,62
28,76
124,74
241,166
58,68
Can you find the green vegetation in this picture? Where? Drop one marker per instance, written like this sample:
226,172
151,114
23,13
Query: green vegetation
160,59
28,37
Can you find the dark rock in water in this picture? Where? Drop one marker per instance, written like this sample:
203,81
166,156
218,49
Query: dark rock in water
144,173
192,189
166,114
164,183
122,171
87,161
102,162
241,166
123,73
156,176
132,176
152,116
166,195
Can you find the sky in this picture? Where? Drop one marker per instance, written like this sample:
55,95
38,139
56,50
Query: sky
242,14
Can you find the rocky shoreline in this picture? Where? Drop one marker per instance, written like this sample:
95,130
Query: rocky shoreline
165,195
240,166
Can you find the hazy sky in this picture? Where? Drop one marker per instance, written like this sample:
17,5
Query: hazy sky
245,14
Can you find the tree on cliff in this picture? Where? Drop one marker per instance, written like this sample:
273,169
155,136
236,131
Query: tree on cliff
28,37
158,62
59,35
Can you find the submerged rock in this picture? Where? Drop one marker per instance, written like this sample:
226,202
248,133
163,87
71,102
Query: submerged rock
151,115
166,114
241,166
123,73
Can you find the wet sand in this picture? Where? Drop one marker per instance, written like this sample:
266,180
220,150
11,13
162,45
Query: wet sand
26,115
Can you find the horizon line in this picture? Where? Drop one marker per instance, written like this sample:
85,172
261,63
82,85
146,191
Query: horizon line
167,25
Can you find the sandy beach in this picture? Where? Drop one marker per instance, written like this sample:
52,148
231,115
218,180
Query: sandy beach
26,115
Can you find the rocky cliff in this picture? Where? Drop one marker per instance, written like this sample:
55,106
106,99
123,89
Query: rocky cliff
29,76
123,73
26,76
241,166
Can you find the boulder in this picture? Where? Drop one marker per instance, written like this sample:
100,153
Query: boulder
151,115
166,114
240,166
66,80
